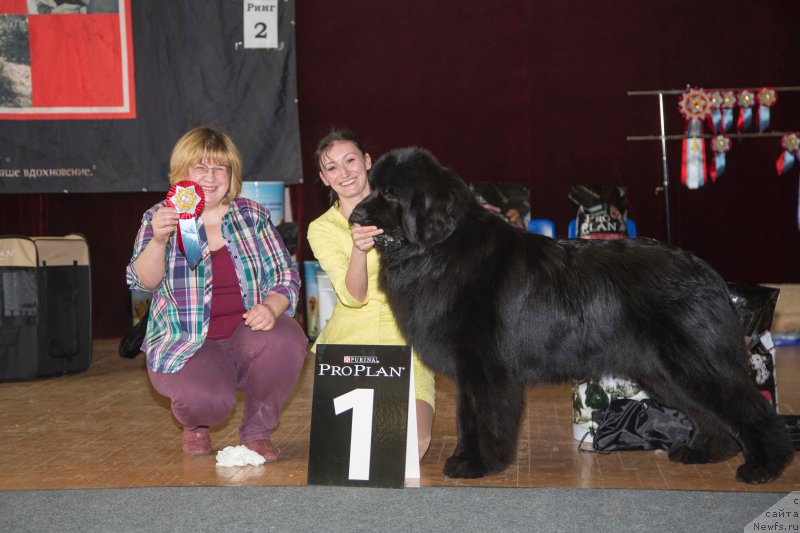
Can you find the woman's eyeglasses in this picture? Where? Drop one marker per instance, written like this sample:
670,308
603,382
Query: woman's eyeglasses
200,170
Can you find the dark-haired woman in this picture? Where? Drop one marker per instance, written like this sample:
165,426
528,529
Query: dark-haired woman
346,254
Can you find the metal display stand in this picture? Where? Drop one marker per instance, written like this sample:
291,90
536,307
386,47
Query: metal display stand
664,138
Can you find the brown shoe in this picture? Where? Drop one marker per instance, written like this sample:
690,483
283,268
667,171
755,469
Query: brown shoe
263,447
196,442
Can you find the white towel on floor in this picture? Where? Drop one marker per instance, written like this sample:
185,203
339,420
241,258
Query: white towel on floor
239,456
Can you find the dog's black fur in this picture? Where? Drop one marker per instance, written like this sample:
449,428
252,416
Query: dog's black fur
495,308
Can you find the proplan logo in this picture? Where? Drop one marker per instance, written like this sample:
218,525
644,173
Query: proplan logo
361,365
360,359
5,255
783,516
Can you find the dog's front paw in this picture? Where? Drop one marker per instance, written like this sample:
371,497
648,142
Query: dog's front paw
464,467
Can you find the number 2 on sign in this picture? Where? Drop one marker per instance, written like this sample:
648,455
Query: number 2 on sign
360,401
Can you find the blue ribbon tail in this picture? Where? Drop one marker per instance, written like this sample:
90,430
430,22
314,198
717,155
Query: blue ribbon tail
719,160
191,242
763,118
727,120
788,162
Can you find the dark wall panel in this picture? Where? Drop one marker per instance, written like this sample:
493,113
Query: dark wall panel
529,92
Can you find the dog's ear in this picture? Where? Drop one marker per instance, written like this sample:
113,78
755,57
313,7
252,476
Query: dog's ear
437,209
431,221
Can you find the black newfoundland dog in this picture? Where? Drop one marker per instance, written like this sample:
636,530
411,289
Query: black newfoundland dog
496,308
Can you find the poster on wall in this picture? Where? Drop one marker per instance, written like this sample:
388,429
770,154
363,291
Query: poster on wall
95,93
41,78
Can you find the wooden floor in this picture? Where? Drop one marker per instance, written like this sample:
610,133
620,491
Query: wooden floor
106,427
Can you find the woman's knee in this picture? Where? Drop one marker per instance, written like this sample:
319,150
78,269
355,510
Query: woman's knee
293,338
203,409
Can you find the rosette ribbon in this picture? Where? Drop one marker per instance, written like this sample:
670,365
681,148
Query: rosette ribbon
715,111
791,151
720,145
728,103
746,100
766,98
790,143
694,106
188,198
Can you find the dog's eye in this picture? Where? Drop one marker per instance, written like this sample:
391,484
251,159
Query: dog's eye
388,194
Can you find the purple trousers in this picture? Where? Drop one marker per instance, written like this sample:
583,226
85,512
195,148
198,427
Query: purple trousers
263,364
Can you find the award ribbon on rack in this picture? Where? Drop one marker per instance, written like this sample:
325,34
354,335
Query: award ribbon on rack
728,103
790,143
720,145
694,106
714,111
188,198
746,100
766,98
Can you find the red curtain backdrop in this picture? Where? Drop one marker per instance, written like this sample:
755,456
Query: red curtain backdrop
528,92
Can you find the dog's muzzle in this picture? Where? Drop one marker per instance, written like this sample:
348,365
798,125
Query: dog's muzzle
388,241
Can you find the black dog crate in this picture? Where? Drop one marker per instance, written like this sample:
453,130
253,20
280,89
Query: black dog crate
45,306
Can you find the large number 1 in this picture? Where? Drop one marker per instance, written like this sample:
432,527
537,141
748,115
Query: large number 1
360,401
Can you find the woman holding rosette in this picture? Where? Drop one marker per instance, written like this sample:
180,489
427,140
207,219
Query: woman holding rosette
224,291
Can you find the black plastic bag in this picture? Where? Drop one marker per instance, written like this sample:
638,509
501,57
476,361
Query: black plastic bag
501,197
755,305
639,425
130,345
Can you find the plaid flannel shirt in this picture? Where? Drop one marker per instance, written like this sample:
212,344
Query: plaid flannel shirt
181,306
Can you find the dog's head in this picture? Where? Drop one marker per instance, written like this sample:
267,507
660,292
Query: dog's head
414,199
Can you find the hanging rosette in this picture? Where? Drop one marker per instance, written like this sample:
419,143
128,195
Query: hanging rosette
728,103
766,99
715,111
720,145
188,198
694,106
790,143
746,100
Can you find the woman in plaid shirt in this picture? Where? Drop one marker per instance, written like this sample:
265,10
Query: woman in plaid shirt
226,325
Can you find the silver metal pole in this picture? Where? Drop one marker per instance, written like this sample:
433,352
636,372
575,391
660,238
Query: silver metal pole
665,170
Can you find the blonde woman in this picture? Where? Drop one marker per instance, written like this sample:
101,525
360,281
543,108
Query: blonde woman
226,325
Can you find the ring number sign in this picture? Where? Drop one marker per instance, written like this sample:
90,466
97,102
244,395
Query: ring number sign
359,415
260,23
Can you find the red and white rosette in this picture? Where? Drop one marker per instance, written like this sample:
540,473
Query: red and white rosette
694,105
766,97
728,103
746,101
720,145
790,143
188,199
715,111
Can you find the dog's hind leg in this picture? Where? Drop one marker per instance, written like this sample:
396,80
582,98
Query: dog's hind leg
730,400
711,440
764,437
489,409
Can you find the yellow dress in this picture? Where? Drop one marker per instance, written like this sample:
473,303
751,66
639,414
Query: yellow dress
353,321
